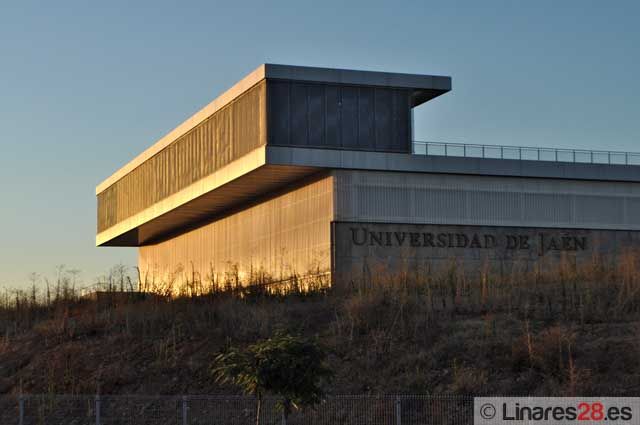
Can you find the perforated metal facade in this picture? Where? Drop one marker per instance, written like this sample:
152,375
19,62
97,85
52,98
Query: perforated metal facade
225,136
286,234
486,200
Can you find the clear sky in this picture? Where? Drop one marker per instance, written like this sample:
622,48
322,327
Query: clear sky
86,86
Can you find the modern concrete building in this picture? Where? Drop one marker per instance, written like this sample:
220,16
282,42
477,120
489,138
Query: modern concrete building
298,170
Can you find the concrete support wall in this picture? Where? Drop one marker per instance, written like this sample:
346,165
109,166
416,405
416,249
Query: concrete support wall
379,249
285,234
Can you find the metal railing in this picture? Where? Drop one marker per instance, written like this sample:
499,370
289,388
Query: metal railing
232,410
527,153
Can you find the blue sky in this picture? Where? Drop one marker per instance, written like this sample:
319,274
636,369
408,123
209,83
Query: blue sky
85,86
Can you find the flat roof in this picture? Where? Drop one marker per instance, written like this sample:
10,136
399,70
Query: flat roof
425,87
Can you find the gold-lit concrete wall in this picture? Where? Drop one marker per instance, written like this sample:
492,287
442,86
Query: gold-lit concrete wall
225,136
285,234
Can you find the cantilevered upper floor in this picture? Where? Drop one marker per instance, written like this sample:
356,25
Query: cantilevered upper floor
282,123
275,105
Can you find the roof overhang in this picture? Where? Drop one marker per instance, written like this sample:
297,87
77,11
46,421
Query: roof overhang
423,87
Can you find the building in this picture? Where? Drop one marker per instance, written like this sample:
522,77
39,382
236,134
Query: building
307,171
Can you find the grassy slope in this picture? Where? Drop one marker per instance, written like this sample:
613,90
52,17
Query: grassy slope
564,332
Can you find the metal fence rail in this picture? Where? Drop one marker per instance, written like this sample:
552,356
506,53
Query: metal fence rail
231,410
527,153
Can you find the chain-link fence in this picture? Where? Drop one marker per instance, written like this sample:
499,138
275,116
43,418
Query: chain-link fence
231,410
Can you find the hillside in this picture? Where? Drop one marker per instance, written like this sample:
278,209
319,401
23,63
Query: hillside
558,331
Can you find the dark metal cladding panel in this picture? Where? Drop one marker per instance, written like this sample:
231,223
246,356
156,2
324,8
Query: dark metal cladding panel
279,113
225,136
401,121
317,114
384,105
366,118
339,116
299,115
349,117
333,137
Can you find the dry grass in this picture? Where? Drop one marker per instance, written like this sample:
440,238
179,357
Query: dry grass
560,329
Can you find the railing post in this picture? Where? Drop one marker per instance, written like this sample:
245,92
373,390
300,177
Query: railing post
464,150
501,152
185,408
608,157
483,155
20,409
445,150
97,409
592,157
398,412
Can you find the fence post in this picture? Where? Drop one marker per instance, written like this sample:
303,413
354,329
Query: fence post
184,410
21,409
398,412
97,409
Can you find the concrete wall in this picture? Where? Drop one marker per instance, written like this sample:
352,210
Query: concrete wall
284,234
378,249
